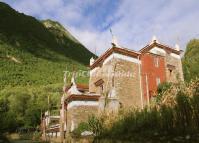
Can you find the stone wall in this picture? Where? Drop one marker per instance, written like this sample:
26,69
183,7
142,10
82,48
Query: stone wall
101,72
108,105
126,81
128,85
78,114
176,74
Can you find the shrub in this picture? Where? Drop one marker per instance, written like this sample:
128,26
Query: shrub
96,125
83,126
176,114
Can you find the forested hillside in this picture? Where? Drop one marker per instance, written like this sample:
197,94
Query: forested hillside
33,56
30,53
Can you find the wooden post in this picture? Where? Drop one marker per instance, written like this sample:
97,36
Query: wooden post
62,120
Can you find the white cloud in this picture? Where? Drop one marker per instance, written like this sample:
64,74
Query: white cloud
134,21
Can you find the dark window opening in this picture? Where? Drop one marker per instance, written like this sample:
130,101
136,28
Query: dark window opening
170,72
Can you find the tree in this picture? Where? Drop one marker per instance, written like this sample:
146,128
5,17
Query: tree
191,60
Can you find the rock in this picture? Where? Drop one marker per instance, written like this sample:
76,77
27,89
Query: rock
187,137
178,139
86,133
162,138
156,134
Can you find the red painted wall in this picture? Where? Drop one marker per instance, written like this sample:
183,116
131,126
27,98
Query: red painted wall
152,71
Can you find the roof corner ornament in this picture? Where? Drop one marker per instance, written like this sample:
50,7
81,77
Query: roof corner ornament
114,40
73,79
73,89
154,39
177,47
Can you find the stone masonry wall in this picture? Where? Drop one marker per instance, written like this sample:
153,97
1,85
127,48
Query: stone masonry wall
102,72
127,81
128,85
177,73
79,114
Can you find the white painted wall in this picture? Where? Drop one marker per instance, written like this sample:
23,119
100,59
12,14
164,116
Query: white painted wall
156,50
82,103
93,70
175,56
122,57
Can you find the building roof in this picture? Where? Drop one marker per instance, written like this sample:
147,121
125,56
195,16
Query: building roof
84,97
132,53
80,87
162,46
53,128
123,51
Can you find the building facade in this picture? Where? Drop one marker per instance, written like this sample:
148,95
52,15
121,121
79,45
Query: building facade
135,75
124,77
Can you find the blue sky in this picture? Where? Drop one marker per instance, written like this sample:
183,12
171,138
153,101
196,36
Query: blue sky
133,22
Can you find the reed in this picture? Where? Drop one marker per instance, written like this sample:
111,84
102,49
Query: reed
176,113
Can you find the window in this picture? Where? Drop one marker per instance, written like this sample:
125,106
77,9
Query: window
156,61
100,86
157,81
170,72
171,69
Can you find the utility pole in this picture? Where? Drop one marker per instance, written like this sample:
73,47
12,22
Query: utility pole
48,116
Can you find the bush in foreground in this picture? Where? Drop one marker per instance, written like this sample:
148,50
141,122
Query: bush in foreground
176,114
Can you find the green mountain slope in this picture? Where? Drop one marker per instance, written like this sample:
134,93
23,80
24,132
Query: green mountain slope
33,56
191,60
36,53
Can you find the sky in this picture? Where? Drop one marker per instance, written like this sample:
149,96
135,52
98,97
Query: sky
133,22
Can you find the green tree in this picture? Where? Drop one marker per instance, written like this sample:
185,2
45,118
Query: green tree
191,60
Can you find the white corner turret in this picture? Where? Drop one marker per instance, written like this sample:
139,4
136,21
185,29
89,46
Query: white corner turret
114,41
154,39
177,47
73,79
73,89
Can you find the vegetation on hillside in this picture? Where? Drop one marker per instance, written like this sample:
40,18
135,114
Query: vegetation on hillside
191,60
33,56
30,53
22,106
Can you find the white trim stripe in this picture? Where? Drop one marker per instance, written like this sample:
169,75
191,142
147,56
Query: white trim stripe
175,56
155,50
82,103
120,56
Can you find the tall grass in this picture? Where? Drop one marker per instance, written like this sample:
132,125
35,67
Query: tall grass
177,113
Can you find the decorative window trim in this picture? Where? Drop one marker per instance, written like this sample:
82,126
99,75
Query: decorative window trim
171,67
99,82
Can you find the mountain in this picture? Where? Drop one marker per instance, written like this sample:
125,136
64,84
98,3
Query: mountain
191,60
33,56
34,53
57,29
